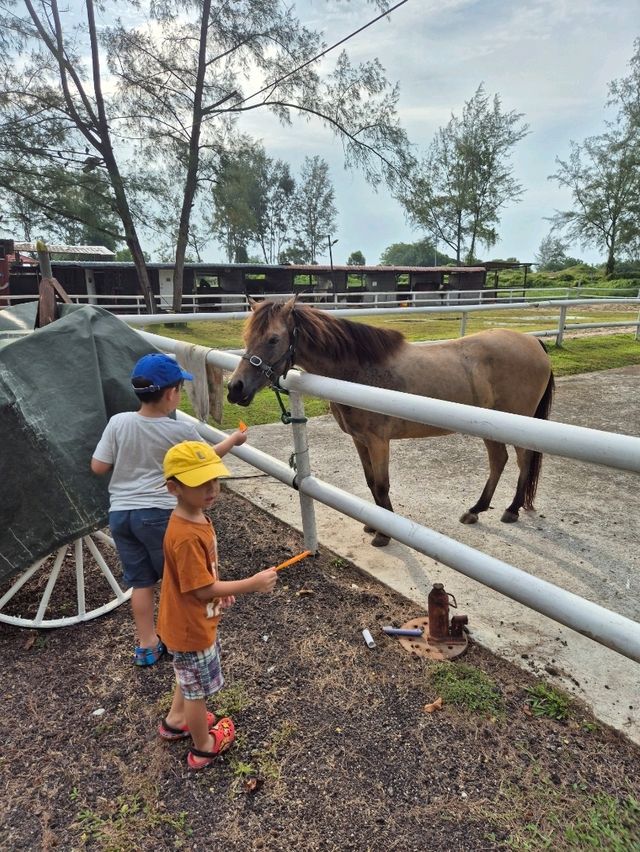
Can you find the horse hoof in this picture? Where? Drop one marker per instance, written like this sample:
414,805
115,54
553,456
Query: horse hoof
509,517
380,540
369,529
469,518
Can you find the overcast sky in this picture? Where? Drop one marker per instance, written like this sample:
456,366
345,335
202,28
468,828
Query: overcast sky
548,59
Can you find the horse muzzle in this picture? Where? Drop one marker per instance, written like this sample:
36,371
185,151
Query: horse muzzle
239,394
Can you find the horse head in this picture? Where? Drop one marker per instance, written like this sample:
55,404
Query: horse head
269,338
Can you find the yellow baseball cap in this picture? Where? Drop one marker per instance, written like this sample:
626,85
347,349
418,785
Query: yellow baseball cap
193,463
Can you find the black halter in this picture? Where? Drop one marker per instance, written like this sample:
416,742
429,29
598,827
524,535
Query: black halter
270,370
272,374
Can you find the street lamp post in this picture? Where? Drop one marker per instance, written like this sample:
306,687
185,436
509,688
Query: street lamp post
331,243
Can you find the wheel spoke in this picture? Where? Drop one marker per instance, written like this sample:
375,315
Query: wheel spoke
82,606
53,577
104,568
19,583
81,562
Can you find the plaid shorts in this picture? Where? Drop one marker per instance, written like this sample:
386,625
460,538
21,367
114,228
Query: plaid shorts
198,673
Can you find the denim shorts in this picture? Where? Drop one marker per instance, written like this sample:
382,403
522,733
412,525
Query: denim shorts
198,673
138,535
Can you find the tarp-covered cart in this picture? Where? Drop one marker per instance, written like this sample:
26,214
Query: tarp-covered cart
59,385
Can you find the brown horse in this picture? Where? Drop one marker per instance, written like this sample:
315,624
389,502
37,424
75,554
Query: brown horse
498,369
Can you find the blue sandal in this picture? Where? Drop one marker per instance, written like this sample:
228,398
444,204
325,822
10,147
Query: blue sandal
149,656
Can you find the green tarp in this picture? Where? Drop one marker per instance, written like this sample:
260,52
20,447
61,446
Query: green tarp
58,387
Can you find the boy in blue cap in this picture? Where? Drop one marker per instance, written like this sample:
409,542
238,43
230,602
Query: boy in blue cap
132,448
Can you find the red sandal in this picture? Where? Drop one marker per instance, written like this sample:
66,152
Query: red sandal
223,733
168,732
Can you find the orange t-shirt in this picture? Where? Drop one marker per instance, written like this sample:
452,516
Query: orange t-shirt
190,562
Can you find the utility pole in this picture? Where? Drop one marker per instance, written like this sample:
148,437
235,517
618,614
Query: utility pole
331,243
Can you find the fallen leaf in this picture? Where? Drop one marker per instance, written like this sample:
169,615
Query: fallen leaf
252,784
435,705
28,645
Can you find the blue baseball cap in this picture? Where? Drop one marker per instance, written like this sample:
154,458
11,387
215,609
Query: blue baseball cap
160,370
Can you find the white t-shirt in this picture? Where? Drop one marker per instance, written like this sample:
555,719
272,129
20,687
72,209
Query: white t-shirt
136,446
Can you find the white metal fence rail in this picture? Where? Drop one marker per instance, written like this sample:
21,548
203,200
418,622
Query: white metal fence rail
621,451
562,305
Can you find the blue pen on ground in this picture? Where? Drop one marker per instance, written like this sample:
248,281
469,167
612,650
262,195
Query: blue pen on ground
403,631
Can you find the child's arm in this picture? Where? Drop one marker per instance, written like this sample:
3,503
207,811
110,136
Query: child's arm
235,439
100,467
263,581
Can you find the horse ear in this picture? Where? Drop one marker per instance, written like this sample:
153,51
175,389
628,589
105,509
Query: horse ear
252,303
289,305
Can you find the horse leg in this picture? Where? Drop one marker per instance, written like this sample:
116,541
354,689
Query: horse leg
365,461
375,463
498,456
529,464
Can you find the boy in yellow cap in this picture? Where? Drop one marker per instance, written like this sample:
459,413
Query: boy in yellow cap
131,450
192,598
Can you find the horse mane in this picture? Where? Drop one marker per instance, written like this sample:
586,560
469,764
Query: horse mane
337,338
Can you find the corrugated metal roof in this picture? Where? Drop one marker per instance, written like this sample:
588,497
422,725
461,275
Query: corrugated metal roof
61,249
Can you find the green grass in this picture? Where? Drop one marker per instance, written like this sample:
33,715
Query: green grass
546,817
609,823
545,700
112,827
265,762
232,700
467,687
592,354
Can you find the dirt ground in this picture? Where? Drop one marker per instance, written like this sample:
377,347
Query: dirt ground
335,749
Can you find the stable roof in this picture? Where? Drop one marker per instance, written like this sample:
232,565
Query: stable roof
62,249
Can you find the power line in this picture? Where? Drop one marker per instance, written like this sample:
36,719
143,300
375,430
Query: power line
322,53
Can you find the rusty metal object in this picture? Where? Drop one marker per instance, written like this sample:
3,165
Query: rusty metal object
438,610
441,639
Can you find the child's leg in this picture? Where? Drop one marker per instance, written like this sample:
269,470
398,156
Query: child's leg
143,609
195,713
175,726
176,717
138,534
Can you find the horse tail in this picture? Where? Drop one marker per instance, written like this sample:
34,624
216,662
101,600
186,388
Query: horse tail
542,413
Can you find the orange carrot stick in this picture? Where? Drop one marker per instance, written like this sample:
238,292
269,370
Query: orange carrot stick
242,426
293,559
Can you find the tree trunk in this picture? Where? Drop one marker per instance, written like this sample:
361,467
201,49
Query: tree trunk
131,235
611,261
191,180
106,149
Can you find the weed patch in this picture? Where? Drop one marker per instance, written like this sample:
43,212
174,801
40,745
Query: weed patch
545,700
467,687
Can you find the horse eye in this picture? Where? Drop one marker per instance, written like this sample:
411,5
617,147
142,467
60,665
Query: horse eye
273,340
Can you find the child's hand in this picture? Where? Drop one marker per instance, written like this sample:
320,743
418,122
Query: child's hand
265,581
227,601
239,437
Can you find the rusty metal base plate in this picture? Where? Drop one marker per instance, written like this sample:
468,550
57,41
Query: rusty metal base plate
422,647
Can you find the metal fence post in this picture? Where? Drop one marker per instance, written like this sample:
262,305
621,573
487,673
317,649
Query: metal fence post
463,323
562,319
303,468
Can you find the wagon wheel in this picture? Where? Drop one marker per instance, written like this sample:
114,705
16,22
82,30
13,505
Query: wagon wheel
73,556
